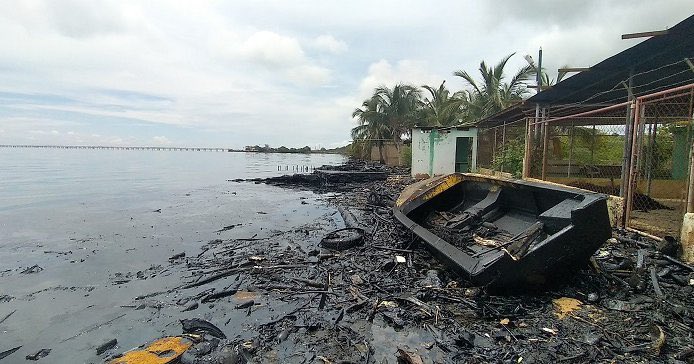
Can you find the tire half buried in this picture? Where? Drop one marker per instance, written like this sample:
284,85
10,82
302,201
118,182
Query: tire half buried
343,239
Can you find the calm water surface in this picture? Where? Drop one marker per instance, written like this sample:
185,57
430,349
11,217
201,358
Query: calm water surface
42,177
87,218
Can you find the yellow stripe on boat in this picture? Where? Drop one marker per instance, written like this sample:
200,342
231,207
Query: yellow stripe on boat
428,189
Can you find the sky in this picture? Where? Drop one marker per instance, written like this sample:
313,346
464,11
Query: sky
236,73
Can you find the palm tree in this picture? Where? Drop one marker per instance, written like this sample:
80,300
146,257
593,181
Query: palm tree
492,95
372,129
388,115
546,81
398,106
441,109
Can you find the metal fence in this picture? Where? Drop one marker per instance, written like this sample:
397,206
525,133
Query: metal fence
639,150
501,148
579,151
659,168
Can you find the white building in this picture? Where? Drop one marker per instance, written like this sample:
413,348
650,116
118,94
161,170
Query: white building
443,150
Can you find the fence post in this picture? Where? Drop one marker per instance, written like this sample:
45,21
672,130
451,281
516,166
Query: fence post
626,159
545,141
571,148
503,147
633,165
526,152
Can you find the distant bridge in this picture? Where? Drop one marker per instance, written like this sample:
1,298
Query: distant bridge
188,149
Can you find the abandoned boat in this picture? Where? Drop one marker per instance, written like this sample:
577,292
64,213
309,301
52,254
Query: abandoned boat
505,233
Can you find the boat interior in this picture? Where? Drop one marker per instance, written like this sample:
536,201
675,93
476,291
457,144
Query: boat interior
488,218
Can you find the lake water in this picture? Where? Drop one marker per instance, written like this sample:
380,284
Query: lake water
83,219
42,177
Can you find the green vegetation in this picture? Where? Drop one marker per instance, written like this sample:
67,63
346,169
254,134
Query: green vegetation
491,95
509,157
591,147
339,150
406,155
390,113
267,149
387,116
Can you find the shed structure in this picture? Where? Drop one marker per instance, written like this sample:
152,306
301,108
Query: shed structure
624,126
442,150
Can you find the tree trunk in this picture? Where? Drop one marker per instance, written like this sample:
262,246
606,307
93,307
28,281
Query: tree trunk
380,152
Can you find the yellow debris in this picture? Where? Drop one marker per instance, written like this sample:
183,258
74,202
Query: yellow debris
163,351
564,306
242,296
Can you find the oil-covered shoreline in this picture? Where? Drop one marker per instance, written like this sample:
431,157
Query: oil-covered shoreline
272,292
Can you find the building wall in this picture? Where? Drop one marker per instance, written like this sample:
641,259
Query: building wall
391,154
433,150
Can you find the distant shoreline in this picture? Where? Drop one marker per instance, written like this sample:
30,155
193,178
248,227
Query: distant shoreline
153,148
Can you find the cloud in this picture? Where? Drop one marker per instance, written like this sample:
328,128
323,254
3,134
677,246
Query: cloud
161,140
328,43
272,50
282,56
85,18
213,73
309,75
406,71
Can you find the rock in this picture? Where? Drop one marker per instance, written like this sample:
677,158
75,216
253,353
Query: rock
228,356
431,280
591,338
356,279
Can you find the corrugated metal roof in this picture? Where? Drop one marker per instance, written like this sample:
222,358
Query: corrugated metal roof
656,64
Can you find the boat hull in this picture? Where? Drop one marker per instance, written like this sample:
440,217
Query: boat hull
505,233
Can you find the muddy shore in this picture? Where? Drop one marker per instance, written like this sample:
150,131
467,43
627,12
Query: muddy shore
278,296
389,301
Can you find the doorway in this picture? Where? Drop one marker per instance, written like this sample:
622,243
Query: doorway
463,154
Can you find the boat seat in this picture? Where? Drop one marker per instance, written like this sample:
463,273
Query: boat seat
559,216
476,211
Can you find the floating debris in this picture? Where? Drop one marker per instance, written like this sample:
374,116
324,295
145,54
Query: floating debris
106,346
38,355
33,269
314,304
199,326
9,352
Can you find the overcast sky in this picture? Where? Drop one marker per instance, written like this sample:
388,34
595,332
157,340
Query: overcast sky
235,73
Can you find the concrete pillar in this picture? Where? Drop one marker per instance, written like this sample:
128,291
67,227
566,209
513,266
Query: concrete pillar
687,237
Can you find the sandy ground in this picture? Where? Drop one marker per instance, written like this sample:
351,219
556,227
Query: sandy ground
660,222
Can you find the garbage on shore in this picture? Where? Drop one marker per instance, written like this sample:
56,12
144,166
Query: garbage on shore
286,297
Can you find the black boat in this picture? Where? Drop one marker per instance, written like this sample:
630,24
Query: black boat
505,233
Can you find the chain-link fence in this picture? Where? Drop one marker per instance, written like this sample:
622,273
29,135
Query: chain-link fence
638,150
659,169
585,151
501,148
